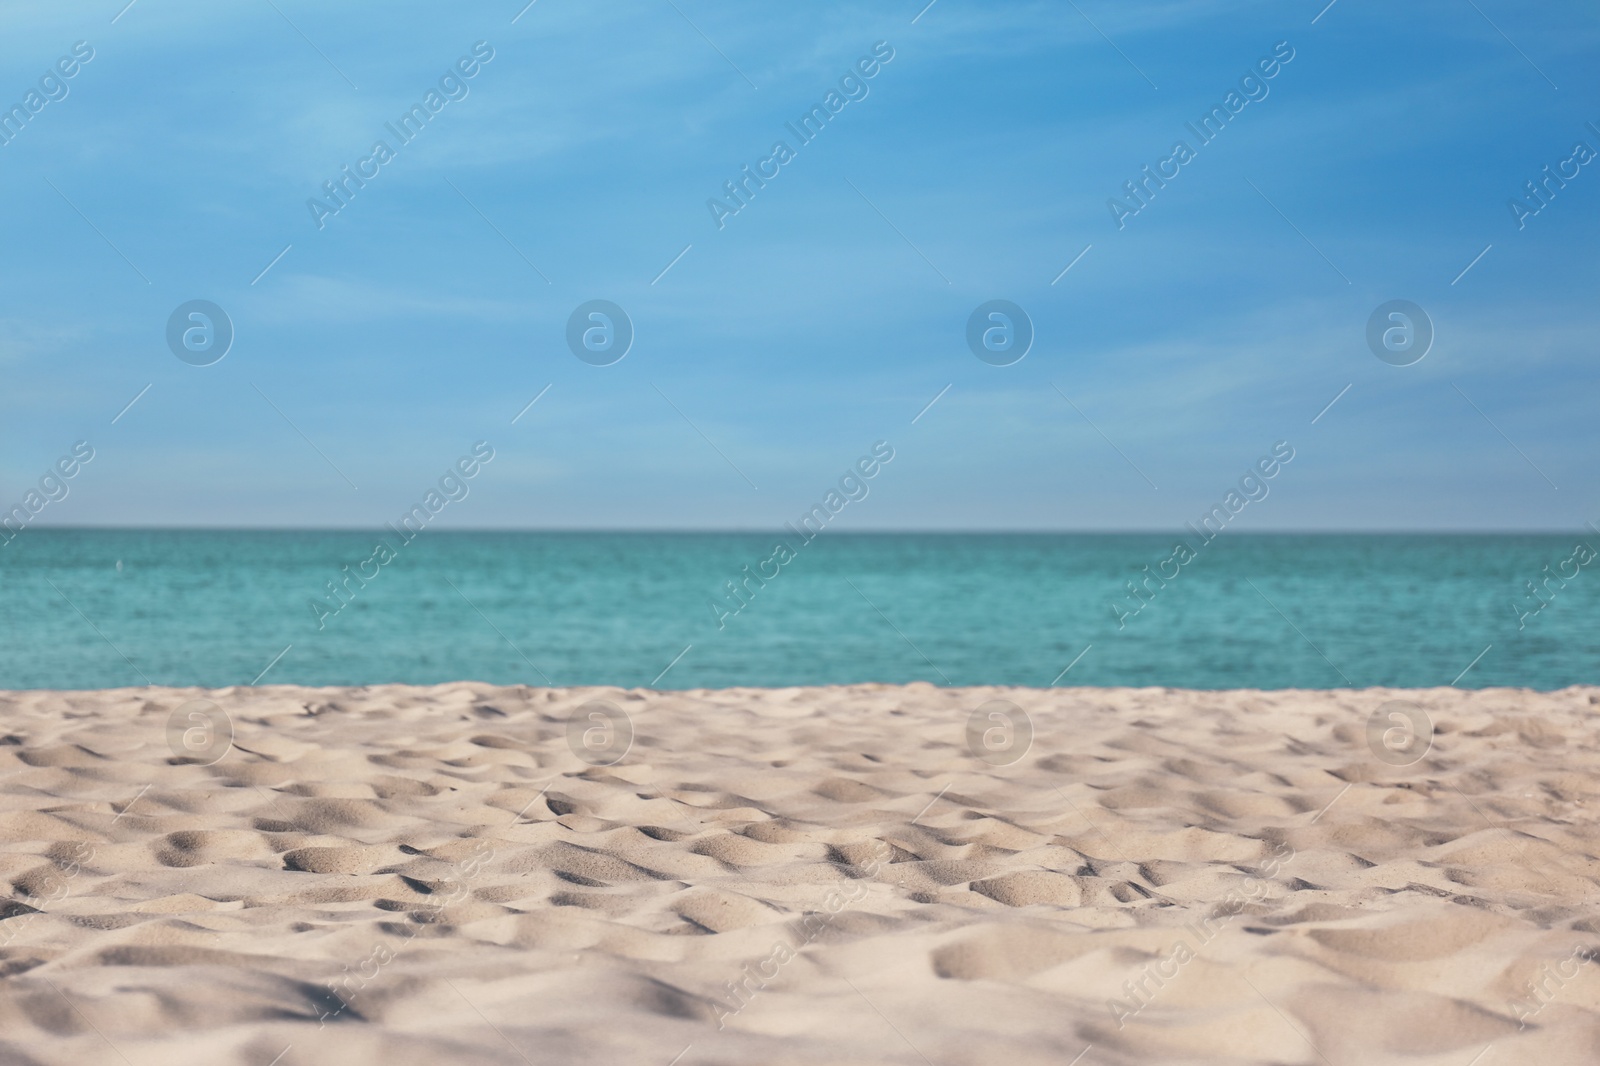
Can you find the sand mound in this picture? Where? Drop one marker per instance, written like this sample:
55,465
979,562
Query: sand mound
473,874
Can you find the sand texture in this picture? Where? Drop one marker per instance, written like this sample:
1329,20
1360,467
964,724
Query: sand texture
825,876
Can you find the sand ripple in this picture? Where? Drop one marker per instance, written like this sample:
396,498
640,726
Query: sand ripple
398,875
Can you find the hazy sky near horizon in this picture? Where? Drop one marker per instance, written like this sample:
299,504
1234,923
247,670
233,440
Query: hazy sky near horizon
373,346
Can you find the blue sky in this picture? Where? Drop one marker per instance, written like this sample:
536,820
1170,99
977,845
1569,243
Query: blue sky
830,310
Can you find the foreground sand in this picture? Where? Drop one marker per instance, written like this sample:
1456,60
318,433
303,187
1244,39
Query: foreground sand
823,876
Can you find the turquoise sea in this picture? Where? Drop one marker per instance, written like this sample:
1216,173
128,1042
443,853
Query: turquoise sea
103,608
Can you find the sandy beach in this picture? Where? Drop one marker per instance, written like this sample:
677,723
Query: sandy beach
856,874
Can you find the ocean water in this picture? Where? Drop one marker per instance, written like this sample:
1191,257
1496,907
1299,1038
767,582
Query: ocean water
103,608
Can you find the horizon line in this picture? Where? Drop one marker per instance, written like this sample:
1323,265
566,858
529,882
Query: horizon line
762,531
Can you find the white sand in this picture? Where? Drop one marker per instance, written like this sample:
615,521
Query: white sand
906,902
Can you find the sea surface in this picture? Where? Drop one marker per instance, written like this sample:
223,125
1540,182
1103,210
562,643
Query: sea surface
103,608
